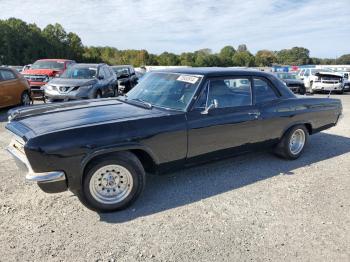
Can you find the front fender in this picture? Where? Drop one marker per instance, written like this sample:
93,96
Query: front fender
116,148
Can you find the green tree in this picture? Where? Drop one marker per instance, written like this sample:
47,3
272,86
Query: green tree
243,58
344,59
294,56
168,59
226,55
265,58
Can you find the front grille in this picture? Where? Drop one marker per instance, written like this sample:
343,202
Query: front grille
330,81
293,85
18,144
64,89
36,78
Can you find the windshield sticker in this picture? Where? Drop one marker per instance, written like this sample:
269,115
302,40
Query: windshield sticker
188,79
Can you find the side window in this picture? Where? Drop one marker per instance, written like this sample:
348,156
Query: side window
307,72
7,75
132,71
107,74
263,91
230,92
202,97
101,72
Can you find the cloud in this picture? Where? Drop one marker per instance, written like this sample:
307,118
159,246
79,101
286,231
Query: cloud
179,25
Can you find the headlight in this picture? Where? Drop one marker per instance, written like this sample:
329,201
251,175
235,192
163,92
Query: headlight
48,87
85,87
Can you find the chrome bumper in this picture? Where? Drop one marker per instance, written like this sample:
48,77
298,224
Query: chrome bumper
24,166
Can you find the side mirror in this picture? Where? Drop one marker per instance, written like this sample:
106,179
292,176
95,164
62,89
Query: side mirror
214,104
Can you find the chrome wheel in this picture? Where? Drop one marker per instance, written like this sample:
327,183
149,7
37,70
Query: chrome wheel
25,99
297,141
111,184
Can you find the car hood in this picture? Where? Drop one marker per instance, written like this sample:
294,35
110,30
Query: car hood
49,72
48,118
72,82
328,74
293,81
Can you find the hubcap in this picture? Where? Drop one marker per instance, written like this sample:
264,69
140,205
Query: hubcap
297,141
111,184
25,99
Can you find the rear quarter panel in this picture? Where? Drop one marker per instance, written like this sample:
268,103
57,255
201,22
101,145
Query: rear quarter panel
320,113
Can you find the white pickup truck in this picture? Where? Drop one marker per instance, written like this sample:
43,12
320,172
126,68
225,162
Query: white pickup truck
322,80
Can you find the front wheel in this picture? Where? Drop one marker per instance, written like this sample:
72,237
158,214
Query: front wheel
25,99
112,183
293,142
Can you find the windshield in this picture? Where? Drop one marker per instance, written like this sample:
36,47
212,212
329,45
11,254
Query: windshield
120,70
167,90
286,76
77,72
48,65
314,71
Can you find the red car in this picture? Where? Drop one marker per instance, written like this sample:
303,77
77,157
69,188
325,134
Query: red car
42,71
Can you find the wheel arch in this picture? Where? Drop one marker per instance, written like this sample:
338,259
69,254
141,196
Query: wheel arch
147,158
308,125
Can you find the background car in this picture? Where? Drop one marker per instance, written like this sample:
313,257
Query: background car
126,76
17,68
82,81
292,81
42,71
322,80
14,88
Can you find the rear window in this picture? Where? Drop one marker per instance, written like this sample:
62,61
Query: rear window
7,75
263,91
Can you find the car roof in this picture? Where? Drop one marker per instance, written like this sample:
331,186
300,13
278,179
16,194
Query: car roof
214,71
57,60
115,66
87,65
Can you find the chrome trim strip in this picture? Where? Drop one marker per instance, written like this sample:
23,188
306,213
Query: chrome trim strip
47,177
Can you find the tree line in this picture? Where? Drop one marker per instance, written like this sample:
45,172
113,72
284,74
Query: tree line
22,43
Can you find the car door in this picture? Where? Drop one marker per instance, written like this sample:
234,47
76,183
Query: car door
275,113
10,88
230,126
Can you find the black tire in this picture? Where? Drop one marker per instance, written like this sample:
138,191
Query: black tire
128,161
98,94
283,149
116,91
302,90
311,90
25,99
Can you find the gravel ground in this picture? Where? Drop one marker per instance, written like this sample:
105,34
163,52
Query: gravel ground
253,207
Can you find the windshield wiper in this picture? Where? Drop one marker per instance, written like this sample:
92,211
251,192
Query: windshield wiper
149,105
136,101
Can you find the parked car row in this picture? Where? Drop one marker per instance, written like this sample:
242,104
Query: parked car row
63,80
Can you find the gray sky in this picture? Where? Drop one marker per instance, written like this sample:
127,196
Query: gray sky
186,25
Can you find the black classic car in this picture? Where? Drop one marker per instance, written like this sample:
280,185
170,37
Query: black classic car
102,149
127,77
291,80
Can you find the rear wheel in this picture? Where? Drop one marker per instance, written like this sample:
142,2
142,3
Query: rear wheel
293,142
302,90
112,183
98,94
25,99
